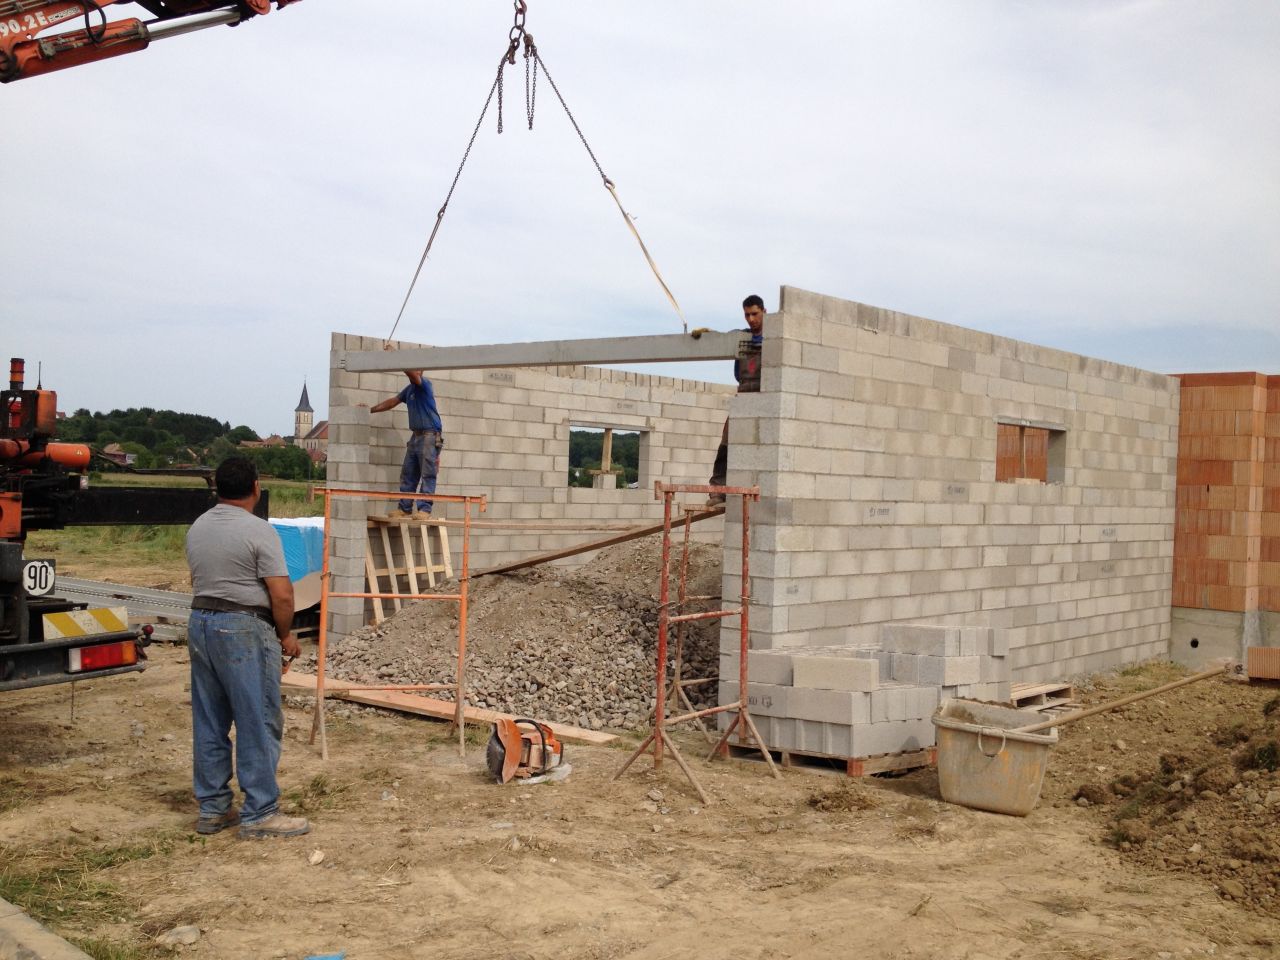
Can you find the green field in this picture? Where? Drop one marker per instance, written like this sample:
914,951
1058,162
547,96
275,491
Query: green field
147,556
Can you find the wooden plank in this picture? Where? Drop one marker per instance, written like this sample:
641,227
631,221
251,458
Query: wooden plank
634,534
427,706
391,567
426,557
1025,691
371,575
889,762
853,766
410,558
446,559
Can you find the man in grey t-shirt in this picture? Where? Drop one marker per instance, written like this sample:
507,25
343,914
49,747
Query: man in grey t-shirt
241,618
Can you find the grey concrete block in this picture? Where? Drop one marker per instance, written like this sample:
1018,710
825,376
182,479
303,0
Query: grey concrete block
894,736
829,706
765,699
999,642
994,669
931,670
905,667
958,670
925,639
835,673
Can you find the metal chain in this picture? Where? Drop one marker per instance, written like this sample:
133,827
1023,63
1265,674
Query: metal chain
502,68
572,119
497,85
509,57
530,88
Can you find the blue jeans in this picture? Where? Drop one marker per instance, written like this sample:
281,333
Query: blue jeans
235,679
418,472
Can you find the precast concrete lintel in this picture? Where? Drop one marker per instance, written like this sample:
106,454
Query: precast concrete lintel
663,348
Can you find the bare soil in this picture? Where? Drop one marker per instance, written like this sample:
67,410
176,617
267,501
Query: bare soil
422,856
1155,836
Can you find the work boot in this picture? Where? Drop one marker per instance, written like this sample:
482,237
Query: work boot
715,500
395,513
422,516
207,826
276,825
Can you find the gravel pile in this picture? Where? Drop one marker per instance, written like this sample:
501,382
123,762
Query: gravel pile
573,645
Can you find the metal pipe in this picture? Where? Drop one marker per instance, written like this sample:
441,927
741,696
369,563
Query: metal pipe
164,29
459,717
708,711
664,598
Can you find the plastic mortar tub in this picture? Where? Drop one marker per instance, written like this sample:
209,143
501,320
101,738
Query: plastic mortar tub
984,762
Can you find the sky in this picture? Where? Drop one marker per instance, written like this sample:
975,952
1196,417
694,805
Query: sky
185,226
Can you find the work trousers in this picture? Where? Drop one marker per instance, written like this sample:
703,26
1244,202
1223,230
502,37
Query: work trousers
421,464
235,679
721,465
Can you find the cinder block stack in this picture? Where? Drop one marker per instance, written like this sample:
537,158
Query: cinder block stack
868,699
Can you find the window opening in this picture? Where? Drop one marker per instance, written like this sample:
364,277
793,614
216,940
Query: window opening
1029,452
605,458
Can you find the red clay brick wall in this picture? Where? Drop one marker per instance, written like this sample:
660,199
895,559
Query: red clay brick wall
1228,471
1269,561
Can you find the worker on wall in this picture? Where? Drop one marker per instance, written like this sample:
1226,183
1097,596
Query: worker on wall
241,618
746,370
422,453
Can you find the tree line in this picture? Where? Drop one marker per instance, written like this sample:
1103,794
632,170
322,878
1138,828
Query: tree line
587,446
167,438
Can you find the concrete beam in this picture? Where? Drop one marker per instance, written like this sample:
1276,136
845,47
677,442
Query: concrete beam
664,348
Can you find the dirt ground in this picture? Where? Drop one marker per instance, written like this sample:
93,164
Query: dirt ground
415,853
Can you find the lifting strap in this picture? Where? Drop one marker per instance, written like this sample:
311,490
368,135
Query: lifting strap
532,63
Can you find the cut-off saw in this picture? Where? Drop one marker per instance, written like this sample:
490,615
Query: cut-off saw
525,750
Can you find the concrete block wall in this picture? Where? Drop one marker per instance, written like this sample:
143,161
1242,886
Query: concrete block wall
507,437
1227,539
842,701
874,443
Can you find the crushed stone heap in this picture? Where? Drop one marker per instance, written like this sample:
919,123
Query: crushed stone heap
575,645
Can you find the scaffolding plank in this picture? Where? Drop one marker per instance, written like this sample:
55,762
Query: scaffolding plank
633,534
427,706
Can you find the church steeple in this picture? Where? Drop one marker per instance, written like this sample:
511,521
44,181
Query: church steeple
303,415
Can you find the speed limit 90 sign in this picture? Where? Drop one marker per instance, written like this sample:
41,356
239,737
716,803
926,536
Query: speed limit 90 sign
38,577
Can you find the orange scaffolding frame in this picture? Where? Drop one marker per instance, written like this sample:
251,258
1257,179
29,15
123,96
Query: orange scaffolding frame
464,577
659,737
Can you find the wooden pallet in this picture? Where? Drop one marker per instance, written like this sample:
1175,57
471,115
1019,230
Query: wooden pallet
1042,696
848,766
419,560
298,681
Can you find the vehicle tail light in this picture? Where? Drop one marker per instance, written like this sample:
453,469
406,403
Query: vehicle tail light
121,654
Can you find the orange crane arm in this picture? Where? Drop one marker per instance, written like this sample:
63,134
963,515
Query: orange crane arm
25,53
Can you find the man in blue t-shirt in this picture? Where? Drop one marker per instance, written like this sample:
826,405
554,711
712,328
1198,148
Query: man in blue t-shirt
746,370
422,452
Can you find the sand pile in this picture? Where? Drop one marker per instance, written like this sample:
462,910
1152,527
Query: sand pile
574,645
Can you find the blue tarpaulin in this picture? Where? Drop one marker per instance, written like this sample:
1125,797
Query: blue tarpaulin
303,541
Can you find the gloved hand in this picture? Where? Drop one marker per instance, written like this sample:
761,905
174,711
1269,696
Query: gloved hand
439,441
698,332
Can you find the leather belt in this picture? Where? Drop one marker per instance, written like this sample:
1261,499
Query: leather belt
219,605
422,433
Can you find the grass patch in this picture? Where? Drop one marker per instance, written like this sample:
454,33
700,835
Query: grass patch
320,793
13,794
101,949
63,885
1146,794
1264,757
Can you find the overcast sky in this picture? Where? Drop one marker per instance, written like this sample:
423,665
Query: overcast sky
185,226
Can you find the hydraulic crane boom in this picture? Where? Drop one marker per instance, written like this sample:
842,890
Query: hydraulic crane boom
24,53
